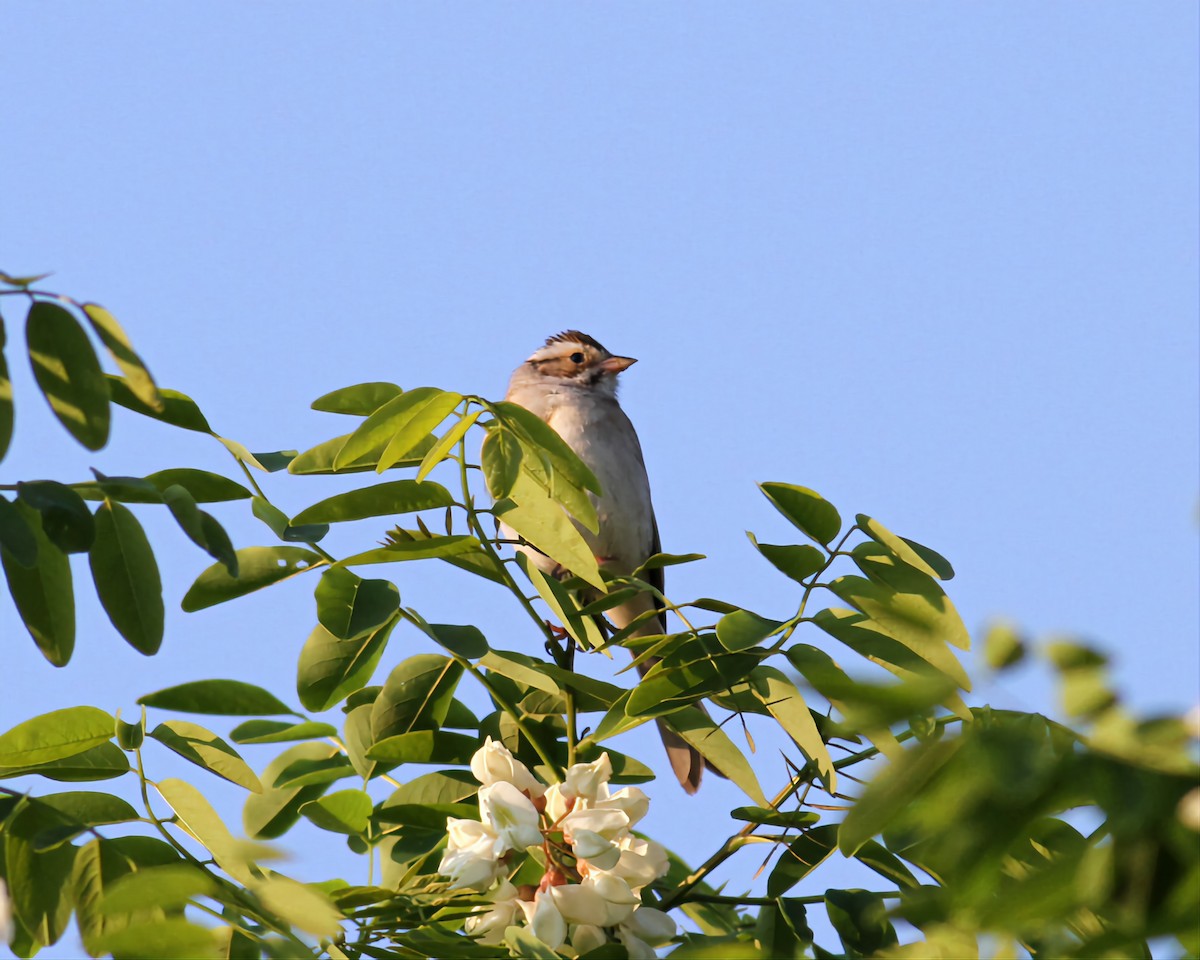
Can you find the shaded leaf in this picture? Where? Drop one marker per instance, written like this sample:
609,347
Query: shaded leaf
742,629
500,458
331,668
801,857
424,746
66,519
178,409
99,763
280,731
16,536
381,499
227,698
68,373
273,812
126,577
204,487
798,561
6,397
416,696
257,567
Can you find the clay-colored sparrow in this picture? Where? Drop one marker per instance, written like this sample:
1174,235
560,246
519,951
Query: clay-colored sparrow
571,383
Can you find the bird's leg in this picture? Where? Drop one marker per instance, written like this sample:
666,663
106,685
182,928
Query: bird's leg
554,643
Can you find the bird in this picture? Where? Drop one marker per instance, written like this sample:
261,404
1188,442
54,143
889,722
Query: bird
570,382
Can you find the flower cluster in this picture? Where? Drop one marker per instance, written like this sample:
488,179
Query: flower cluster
595,867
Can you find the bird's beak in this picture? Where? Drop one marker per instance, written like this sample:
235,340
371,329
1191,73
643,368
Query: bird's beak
617,364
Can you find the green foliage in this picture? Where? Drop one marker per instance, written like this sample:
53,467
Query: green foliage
968,815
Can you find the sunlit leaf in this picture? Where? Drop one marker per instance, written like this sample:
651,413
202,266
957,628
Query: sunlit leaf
300,904
68,373
55,735
437,453
104,762
546,525
742,629
197,816
167,887
500,458
433,547
273,812
798,561
360,400
205,749
424,746
808,511
787,706
205,487
119,347
699,730
346,811
320,459
280,731
38,882
168,937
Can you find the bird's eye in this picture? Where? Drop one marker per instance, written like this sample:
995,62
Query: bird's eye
577,358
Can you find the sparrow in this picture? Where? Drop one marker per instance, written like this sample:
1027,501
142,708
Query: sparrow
571,383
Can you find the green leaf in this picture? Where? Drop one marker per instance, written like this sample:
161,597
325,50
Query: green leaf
501,461
126,577
474,560
808,511
300,904
860,919
44,594
424,746
432,789
440,547
26,281
1003,646
226,698
55,735
922,621
464,641
119,347
169,937
768,816
275,460
381,499
201,528
787,706
168,887
320,459
204,487
416,696
546,525
562,604
885,863
437,453
940,565
892,791
99,763
68,373
346,811
6,397
178,409
903,552
330,669
693,669
522,943
531,428
742,630
402,421
524,670
904,652
125,489
699,730
257,567
807,852
38,882
195,814
66,519
798,561
273,812
360,400
280,731
16,536
348,606
205,749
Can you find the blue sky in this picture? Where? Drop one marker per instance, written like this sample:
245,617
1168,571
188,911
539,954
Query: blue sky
937,261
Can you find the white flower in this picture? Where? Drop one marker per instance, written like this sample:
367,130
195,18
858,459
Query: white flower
471,857
589,780
650,925
578,904
633,801
494,763
619,900
635,947
545,922
488,926
511,816
586,937
598,851
6,924
1191,722
1189,809
641,862
557,804
610,824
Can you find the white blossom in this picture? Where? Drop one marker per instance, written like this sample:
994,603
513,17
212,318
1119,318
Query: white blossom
488,925
511,816
6,924
545,922
494,763
589,781
587,937
471,857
